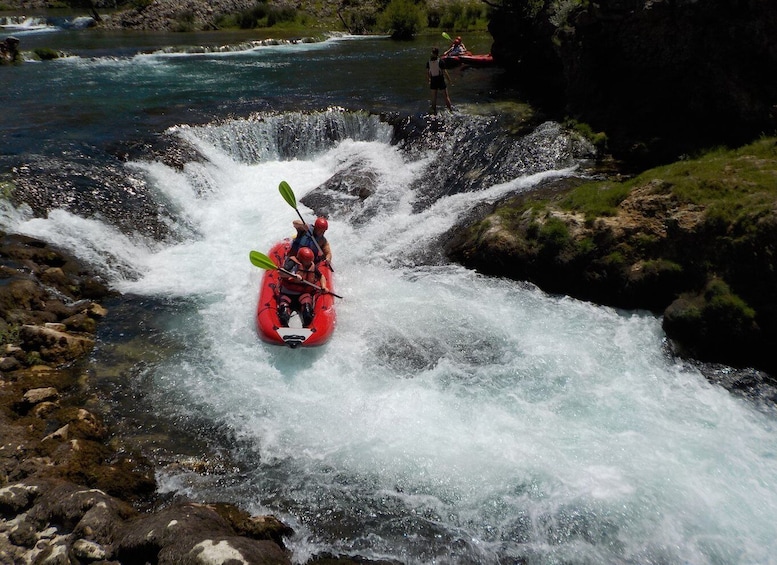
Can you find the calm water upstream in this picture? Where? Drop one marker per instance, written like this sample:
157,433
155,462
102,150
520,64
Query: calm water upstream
452,418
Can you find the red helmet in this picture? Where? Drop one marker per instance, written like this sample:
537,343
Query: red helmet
321,224
305,255
457,40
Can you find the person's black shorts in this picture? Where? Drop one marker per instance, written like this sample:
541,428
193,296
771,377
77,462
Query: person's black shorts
437,83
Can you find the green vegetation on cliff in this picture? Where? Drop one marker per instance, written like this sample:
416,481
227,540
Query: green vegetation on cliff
696,239
730,185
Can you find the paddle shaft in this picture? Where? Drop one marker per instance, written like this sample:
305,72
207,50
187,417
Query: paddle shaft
264,262
291,200
282,270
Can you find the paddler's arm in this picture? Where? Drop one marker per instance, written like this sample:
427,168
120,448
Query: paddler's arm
327,252
299,225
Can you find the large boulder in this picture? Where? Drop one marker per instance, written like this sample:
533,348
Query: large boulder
189,533
53,345
9,51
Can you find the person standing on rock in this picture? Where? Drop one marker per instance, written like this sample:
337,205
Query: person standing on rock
435,75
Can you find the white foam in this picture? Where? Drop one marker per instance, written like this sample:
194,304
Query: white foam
479,404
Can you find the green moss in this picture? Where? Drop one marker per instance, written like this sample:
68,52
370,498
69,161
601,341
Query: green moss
46,54
661,266
7,189
615,259
10,335
730,184
597,138
596,199
554,232
586,246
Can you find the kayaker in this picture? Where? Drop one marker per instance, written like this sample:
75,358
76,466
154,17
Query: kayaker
304,239
294,293
456,48
435,75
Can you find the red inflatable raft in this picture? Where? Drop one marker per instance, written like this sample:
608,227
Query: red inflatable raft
468,59
267,322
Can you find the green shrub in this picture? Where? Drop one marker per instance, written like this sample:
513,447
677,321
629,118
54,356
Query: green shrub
462,16
264,15
615,259
725,307
554,233
661,266
403,18
586,246
598,139
732,308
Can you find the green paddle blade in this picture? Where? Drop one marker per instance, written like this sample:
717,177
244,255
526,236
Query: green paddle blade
288,194
446,36
262,261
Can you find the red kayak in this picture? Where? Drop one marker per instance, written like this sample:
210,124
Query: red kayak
468,59
267,322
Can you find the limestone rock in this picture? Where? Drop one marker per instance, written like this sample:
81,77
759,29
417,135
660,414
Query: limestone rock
54,346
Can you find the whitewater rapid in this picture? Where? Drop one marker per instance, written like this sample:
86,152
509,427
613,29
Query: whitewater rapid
452,418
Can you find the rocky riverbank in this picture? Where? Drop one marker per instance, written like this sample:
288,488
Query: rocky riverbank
70,492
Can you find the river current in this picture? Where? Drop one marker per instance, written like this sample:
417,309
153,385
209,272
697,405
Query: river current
452,418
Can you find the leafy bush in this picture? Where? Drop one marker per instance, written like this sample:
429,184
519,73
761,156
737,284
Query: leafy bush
264,15
185,21
462,15
661,266
403,18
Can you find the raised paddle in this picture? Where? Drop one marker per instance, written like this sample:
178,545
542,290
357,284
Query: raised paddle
446,36
264,262
291,200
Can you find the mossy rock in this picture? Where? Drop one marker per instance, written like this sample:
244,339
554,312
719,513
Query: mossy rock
46,54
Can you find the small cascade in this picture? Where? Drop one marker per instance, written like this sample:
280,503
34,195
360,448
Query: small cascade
287,136
23,23
232,47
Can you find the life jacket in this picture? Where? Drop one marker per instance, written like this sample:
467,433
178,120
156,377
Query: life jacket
293,286
306,239
434,67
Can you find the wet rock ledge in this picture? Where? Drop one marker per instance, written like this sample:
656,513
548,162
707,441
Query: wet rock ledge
66,496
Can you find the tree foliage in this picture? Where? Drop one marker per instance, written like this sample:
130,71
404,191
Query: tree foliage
403,18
